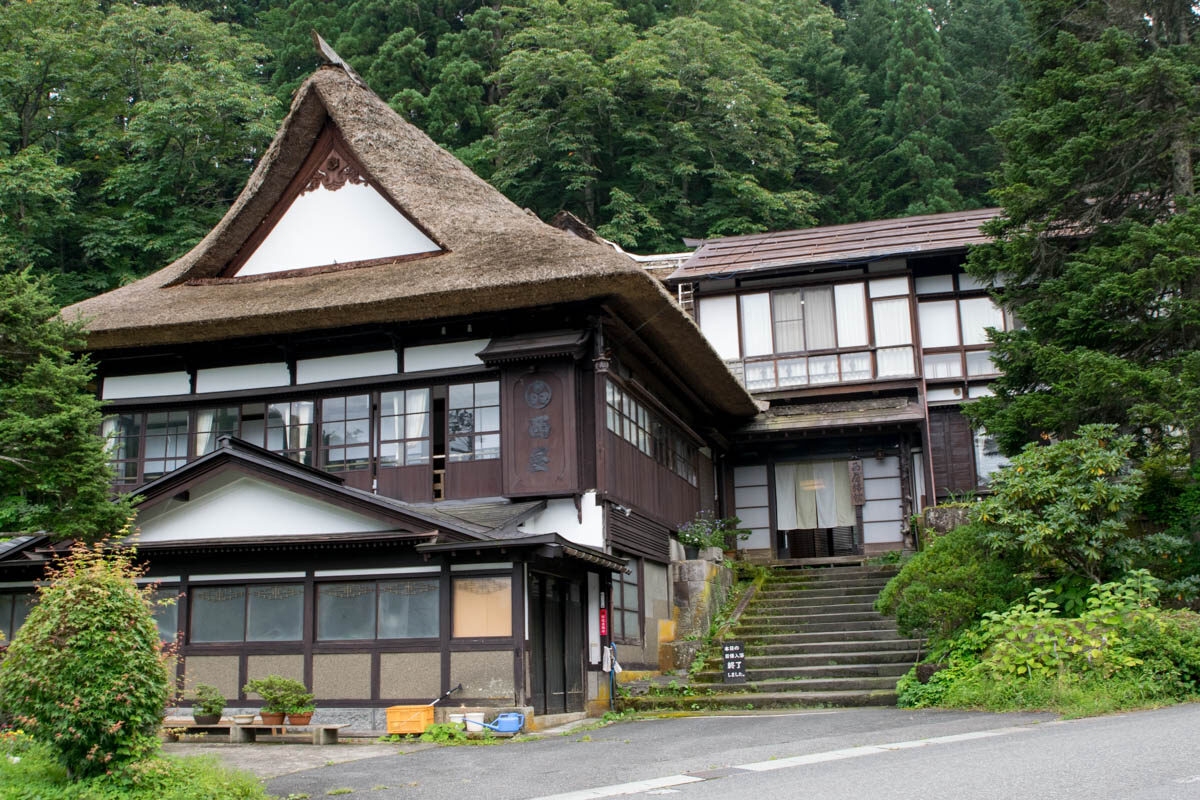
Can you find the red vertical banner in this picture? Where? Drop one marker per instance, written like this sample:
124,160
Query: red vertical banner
604,622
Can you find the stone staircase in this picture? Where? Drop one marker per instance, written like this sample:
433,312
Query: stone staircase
813,638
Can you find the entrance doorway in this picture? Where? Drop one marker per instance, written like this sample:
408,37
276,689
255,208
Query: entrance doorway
556,634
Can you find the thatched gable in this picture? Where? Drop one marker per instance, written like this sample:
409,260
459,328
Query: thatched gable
498,257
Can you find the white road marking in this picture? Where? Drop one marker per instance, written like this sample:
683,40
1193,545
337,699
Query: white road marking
646,786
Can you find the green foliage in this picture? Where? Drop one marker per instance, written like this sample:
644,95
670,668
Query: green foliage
54,472
1097,247
281,695
208,700
1121,652
125,130
706,530
950,584
449,733
38,774
86,674
1066,506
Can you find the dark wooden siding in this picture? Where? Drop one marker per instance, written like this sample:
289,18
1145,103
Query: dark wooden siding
707,481
638,535
952,451
637,480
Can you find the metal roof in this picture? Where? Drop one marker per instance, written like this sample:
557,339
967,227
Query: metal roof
832,244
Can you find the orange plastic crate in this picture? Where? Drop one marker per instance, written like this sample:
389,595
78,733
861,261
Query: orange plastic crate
409,719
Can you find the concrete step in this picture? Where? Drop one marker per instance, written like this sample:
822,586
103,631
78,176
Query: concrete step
817,596
809,608
839,699
755,633
818,576
891,670
905,656
817,684
783,639
844,644
770,590
859,615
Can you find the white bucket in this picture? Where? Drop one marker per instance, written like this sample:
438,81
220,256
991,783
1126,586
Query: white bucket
455,719
474,722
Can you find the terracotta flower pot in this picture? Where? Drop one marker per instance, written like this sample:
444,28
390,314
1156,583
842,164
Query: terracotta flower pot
206,719
271,719
300,719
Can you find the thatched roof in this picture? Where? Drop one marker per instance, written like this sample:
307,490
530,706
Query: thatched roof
499,258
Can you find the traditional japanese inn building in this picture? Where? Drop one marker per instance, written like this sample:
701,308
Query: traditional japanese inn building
393,433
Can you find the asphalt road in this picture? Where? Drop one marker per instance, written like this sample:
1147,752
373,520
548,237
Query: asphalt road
856,753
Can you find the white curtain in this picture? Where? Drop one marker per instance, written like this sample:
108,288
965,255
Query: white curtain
204,430
819,495
417,422
938,323
979,313
789,321
894,361
851,315
756,324
892,326
818,319
718,323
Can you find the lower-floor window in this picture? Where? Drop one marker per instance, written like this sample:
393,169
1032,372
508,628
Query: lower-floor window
813,494
401,609
482,606
253,613
166,613
626,604
14,608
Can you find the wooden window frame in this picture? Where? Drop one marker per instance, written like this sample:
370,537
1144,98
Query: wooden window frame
617,612
957,295
245,586
316,602
475,432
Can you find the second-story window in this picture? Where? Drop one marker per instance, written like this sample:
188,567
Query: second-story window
346,432
290,429
954,333
473,421
404,428
166,442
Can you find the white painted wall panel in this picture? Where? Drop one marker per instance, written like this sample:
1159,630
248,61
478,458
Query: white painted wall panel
882,532
337,368
750,496
155,384
560,516
235,506
442,356
944,393
881,510
881,488
245,376
353,223
759,539
887,467
754,517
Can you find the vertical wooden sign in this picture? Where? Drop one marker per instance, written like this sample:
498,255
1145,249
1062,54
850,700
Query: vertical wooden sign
858,492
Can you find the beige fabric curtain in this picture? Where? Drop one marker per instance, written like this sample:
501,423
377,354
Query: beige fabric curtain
817,496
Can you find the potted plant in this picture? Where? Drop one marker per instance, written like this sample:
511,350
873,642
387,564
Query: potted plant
300,706
706,530
279,695
208,706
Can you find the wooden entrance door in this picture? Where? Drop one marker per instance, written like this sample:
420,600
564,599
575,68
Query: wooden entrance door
556,633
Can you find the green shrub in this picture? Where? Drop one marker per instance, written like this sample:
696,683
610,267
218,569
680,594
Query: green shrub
1066,506
86,673
281,695
950,585
706,530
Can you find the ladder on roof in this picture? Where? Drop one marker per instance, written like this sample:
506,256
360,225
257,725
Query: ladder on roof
686,297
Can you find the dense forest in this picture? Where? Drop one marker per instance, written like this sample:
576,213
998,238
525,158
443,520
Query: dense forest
126,129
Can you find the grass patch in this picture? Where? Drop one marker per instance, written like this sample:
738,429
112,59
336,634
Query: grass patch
1070,698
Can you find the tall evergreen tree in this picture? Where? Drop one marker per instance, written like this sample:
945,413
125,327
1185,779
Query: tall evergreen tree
1098,250
54,472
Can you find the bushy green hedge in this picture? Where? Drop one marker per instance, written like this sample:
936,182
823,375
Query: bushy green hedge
1122,652
950,585
86,674
37,774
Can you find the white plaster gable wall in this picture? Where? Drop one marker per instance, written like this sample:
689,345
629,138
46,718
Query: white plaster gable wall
560,516
321,227
239,506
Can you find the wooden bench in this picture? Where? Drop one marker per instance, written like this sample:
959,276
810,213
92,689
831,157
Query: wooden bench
242,734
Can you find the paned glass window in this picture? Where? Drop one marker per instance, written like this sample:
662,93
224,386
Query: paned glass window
124,434
404,428
756,324
626,619
166,613
988,458
401,609
290,429
473,421
213,423
166,442
346,432
14,608
482,606
266,612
